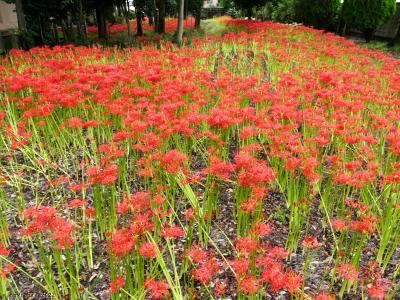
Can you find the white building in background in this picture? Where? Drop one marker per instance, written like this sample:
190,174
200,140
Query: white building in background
210,3
8,16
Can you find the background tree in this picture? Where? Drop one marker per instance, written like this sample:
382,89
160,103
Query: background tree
247,6
194,7
161,9
179,31
367,15
317,13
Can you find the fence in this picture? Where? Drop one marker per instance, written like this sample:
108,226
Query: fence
210,12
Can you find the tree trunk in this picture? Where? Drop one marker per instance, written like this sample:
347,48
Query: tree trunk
249,13
181,12
368,34
82,23
139,26
161,17
197,17
128,24
20,15
101,20
2,47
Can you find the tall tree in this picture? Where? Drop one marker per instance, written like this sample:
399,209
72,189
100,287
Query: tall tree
181,12
194,7
317,13
101,19
20,15
367,15
247,5
161,6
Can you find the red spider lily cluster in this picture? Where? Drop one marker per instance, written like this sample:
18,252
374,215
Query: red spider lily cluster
205,171
170,26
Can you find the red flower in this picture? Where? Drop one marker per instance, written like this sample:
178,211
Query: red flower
76,203
173,161
324,297
3,250
90,212
157,289
293,282
173,232
122,242
117,284
339,224
7,270
348,272
148,249
310,242
240,266
246,245
377,292
249,285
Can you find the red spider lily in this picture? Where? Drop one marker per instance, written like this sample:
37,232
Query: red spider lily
348,271
141,223
339,224
196,254
293,282
148,249
77,203
173,161
122,242
44,219
157,289
61,232
220,169
246,245
139,201
240,266
173,232
5,271
105,176
249,285
261,229
324,297
310,242
377,292
221,288
250,205
117,284
3,250
90,212
365,224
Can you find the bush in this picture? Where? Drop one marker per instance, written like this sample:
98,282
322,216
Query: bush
367,15
284,12
320,14
264,12
233,13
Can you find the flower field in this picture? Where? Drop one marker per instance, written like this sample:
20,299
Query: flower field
261,164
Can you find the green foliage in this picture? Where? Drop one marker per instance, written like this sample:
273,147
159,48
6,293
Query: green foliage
247,5
367,14
264,12
284,12
317,13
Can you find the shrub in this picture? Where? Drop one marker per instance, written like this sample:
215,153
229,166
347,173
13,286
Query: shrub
367,15
284,12
264,12
317,13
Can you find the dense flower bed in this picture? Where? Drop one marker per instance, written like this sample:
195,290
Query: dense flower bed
262,164
170,26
